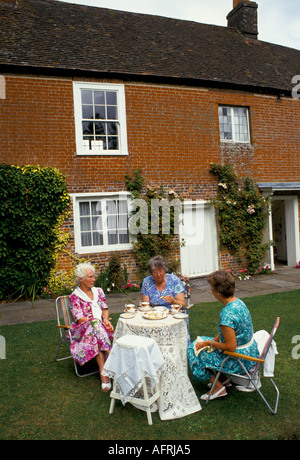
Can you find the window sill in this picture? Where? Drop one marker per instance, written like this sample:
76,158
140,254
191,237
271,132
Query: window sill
101,154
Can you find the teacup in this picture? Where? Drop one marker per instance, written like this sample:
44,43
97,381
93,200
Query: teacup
144,304
130,307
176,308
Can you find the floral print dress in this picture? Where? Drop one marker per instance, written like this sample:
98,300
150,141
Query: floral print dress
173,287
237,316
91,336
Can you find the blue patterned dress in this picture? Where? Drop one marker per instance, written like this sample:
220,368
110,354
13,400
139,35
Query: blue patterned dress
237,316
173,287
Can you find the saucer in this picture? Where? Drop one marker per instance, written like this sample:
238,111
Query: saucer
180,315
127,315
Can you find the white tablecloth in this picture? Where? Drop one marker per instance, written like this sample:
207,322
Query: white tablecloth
177,398
128,365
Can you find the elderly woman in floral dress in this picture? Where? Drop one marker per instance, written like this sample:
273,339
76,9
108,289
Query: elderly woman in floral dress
91,332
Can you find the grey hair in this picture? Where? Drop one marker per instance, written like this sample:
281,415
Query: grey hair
157,262
81,271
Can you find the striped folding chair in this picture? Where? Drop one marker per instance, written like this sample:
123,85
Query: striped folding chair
64,322
250,381
187,296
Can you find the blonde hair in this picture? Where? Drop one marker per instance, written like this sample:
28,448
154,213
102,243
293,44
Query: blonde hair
81,271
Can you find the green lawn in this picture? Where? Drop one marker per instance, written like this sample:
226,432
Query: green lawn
42,399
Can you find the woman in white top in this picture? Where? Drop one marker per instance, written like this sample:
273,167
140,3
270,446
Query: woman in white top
91,332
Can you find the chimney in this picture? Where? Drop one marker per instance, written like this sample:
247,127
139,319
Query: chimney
243,17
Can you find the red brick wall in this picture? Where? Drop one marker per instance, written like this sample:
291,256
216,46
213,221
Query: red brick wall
173,134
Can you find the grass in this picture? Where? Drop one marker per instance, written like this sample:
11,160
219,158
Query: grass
44,400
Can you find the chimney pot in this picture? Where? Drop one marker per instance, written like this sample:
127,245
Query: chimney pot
243,17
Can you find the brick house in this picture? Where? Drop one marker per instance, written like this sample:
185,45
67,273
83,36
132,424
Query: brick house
98,93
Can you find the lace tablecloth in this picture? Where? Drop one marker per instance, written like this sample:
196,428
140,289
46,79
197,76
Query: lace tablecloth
177,396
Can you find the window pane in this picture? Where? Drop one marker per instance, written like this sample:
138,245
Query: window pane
122,206
87,127
97,239
123,221
112,128
84,209
85,223
99,97
86,96
96,208
87,111
111,98
112,222
111,207
241,125
123,236
112,237
113,143
86,239
97,223
112,113
99,112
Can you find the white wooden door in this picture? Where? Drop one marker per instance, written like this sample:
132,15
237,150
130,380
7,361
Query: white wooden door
199,255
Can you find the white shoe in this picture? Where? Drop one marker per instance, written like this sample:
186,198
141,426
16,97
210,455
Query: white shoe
214,395
105,386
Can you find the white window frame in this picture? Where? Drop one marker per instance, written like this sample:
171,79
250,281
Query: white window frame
97,147
81,197
234,136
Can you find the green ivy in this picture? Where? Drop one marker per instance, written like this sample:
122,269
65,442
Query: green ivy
242,216
147,244
34,202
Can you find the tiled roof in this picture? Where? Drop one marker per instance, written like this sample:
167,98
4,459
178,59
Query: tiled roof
57,35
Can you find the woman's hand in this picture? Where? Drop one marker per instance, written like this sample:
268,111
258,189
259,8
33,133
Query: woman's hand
178,299
169,299
82,320
200,345
108,325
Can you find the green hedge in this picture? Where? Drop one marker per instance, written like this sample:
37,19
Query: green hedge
34,202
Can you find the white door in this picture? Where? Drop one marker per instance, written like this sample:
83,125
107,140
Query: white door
289,214
199,255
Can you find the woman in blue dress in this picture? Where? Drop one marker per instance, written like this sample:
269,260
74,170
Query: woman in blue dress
235,333
161,288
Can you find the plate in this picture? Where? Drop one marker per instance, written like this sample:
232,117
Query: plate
155,315
180,315
127,315
160,308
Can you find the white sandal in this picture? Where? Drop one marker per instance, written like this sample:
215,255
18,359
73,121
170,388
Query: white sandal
105,386
214,395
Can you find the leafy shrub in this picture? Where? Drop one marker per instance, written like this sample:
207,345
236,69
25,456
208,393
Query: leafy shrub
34,203
242,213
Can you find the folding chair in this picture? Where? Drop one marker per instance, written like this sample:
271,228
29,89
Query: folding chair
64,322
186,310
250,381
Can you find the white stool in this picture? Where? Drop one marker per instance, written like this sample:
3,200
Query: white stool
132,359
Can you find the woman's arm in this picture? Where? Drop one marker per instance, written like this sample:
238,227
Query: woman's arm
229,337
177,299
228,345
105,318
145,298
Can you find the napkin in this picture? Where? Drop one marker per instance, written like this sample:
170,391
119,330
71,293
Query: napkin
208,348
